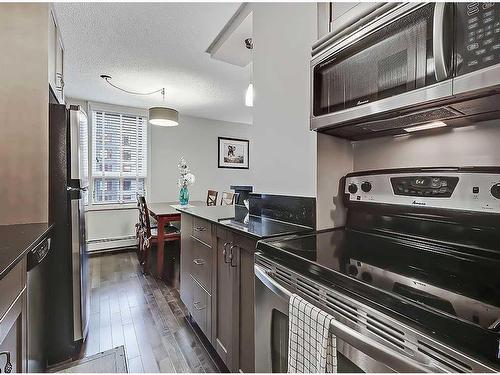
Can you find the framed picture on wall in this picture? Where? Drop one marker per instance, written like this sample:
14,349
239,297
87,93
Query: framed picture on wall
233,153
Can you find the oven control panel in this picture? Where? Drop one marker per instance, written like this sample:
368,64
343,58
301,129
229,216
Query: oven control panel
467,191
424,186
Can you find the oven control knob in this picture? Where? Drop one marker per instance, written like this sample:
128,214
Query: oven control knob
353,270
367,277
366,186
353,188
495,191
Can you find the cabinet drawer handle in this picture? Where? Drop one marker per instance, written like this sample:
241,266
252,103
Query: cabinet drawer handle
200,229
224,252
231,257
199,261
8,365
197,306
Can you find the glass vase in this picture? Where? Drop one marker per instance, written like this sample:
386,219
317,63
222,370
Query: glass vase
184,196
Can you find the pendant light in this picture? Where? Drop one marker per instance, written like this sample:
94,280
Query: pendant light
249,93
161,116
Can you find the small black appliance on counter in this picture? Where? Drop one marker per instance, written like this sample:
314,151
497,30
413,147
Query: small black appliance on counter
243,192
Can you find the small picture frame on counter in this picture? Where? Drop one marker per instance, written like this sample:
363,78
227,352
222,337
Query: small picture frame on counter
233,153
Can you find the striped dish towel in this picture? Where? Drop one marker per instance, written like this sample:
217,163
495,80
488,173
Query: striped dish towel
312,348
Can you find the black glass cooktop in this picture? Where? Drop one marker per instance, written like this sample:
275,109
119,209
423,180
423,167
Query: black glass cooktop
431,284
435,275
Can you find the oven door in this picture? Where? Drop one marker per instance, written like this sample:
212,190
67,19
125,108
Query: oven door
401,59
355,352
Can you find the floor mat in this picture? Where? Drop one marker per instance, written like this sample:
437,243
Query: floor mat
109,361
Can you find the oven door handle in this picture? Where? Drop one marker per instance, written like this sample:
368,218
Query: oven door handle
366,345
440,68
272,285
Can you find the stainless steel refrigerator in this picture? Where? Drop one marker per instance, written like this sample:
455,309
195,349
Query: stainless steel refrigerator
69,290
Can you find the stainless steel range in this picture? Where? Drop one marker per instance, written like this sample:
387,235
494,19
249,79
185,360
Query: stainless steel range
412,278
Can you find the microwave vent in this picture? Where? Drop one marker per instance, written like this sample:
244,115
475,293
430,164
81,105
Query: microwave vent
474,106
367,129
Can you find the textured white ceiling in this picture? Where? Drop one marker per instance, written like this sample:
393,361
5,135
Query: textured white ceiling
146,46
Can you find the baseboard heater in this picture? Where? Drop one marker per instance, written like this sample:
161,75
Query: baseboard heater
112,243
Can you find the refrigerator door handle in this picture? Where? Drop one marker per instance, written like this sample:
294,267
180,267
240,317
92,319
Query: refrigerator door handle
75,189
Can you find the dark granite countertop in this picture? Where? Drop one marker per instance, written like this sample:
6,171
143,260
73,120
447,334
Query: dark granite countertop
233,217
210,213
17,240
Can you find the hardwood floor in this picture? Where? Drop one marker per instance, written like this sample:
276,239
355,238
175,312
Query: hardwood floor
143,314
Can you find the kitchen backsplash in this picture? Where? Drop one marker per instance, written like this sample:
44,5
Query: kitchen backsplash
292,209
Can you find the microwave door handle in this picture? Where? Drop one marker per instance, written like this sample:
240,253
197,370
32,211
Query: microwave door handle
440,68
366,345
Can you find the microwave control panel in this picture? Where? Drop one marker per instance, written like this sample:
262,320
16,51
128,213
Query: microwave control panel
478,36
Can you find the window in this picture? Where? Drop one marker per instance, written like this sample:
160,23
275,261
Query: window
119,157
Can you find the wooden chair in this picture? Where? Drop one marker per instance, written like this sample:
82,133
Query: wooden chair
148,235
227,198
212,198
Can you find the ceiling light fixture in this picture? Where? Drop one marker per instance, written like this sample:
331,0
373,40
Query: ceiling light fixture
249,93
161,116
430,125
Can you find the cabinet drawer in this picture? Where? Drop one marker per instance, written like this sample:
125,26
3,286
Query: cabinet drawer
186,265
11,285
201,308
202,230
201,264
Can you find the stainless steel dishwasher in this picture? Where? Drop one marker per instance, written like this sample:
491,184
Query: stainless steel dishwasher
37,316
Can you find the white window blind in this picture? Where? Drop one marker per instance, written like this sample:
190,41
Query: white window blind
119,157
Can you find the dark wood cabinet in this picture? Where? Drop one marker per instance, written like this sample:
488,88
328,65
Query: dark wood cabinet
201,307
227,322
217,286
186,288
235,300
201,264
198,260
246,252
13,324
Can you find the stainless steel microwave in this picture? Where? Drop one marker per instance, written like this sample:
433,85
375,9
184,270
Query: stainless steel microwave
406,64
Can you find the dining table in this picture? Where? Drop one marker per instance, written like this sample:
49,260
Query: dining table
165,213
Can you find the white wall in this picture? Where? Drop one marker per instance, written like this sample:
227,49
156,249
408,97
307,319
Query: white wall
111,228
334,160
196,140
468,146
284,160
24,99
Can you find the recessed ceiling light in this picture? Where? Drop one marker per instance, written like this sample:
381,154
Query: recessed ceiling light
430,125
